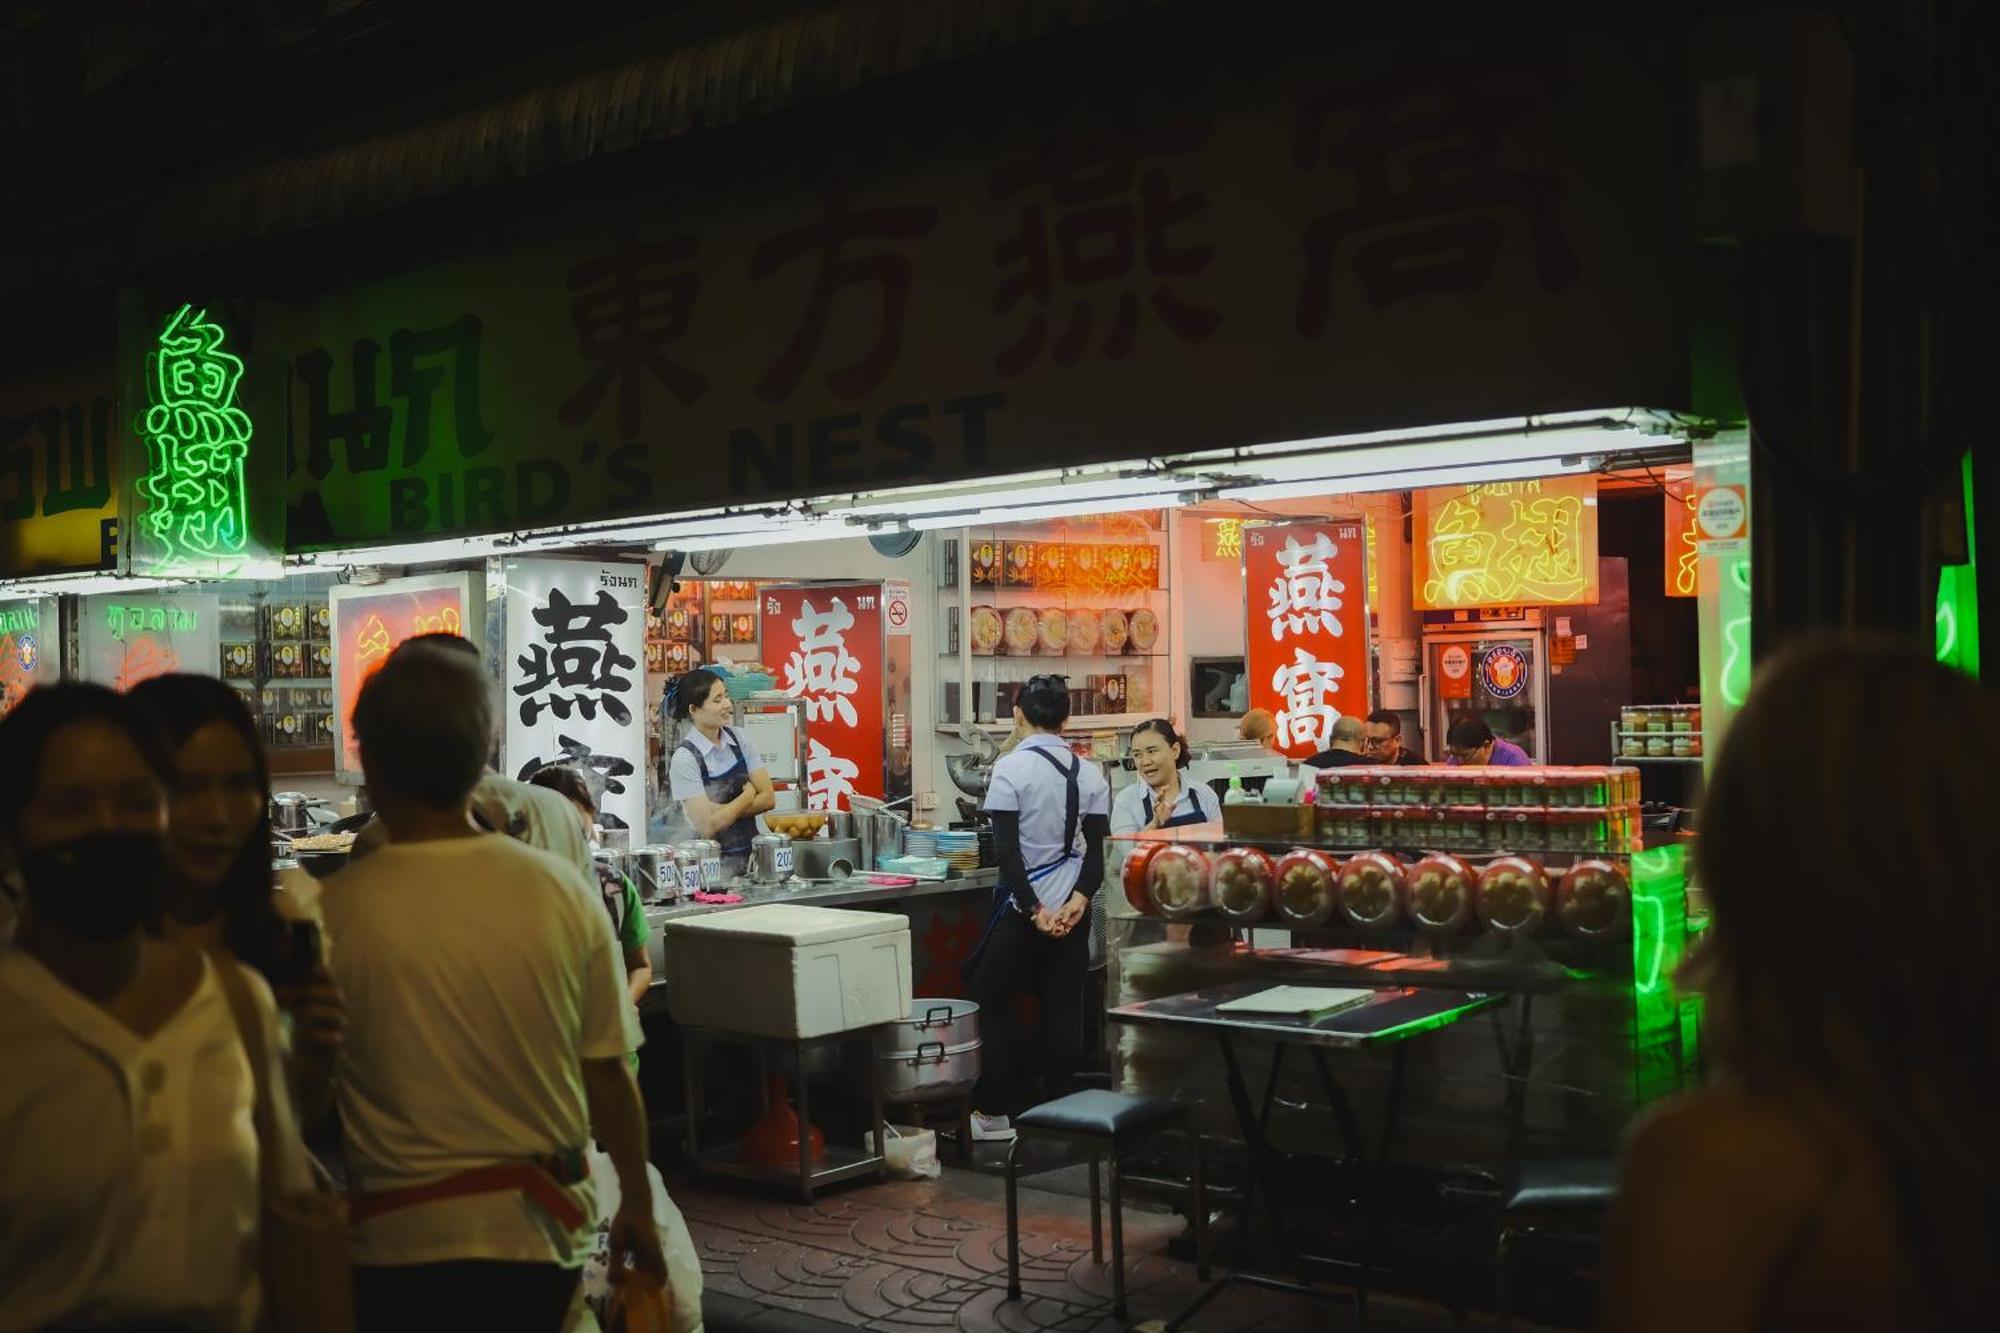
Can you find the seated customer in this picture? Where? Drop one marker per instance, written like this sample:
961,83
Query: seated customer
1343,747
1471,742
1382,740
1839,1170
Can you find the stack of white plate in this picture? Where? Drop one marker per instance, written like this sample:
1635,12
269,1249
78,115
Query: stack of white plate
920,842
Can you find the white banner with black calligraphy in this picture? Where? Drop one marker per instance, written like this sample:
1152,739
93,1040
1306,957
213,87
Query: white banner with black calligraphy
574,683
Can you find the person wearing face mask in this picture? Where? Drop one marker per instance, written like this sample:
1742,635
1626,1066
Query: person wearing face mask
620,894
129,1169
218,887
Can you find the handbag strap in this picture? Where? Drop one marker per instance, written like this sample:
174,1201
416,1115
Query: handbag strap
250,1035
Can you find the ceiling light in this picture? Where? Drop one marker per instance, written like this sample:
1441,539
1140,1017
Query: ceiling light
1409,479
1037,513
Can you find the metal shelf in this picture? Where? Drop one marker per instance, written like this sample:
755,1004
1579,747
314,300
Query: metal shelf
840,1163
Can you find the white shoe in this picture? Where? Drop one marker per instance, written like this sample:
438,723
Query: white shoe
991,1129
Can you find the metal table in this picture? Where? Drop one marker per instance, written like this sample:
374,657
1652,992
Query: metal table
840,1163
1389,1019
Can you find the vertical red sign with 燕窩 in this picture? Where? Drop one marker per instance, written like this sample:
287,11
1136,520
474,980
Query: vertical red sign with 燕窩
1306,584
825,642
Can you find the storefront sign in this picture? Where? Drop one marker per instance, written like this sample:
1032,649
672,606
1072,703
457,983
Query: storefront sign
1308,658
368,623
1527,543
58,492
192,510
1454,672
1284,256
1683,536
827,643
130,637
1503,671
575,687
28,648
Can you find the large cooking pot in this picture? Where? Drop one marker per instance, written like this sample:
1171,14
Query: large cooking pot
289,811
931,1055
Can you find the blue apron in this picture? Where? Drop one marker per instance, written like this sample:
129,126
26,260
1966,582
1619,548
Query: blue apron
1099,930
722,788
1193,816
1003,897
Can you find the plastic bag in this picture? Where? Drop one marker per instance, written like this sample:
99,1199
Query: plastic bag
911,1153
639,1306
682,1298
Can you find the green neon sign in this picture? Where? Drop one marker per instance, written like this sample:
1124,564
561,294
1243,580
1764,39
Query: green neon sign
123,620
20,619
1736,641
193,502
1958,598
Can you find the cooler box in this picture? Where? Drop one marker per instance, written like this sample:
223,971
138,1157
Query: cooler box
781,971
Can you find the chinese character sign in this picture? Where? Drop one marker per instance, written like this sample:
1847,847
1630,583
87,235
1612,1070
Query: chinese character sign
575,679
368,623
194,509
1510,543
127,638
1308,657
826,643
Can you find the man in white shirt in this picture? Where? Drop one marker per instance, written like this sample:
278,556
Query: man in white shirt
487,1027
1050,812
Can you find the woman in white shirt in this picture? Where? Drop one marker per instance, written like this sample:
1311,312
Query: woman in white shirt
129,1170
1161,798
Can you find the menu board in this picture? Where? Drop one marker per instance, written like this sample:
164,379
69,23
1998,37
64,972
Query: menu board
28,648
826,643
130,637
1308,642
575,678
368,623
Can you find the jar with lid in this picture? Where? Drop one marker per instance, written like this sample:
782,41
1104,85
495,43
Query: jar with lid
1683,744
1657,745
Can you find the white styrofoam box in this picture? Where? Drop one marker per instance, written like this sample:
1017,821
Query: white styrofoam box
784,971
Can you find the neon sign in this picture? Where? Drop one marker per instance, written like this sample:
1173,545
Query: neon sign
1507,543
1683,532
120,620
196,509
1736,641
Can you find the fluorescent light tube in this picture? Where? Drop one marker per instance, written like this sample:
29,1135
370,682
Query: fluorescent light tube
1409,479
1037,513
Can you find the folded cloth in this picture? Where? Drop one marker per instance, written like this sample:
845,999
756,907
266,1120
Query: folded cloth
702,897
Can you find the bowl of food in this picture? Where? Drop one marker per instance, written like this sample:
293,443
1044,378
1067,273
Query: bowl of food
796,824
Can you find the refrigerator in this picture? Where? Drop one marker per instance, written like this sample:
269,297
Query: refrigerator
1549,679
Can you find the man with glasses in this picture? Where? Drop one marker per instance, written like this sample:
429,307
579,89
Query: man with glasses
1382,740
1472,744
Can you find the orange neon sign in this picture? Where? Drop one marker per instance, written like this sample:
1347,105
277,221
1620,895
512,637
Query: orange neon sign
1683,534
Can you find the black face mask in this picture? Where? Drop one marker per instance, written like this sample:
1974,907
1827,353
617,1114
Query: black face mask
100,886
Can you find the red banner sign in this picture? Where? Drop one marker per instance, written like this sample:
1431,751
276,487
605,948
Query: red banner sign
826,645
1307,585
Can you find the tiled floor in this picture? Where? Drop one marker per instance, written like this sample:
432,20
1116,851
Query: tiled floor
932,1255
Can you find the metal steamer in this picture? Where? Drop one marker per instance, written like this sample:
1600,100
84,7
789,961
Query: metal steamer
931,1056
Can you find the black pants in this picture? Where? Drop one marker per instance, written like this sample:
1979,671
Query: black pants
1020,958
467,1293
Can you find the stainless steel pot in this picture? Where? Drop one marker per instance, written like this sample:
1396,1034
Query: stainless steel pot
652,869
932,1072
950,1021
770,858
707,854
687,867
881,836
840,824
288,811
821,858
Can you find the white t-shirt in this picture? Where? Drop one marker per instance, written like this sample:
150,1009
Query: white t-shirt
479,974
685,774
1029,784
128,1164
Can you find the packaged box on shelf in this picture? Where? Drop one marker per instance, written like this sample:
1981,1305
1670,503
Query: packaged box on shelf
1253,819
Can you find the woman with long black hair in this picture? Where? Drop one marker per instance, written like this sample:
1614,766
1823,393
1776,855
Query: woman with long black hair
218,888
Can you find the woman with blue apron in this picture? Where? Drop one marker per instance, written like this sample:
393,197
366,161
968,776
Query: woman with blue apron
1050,811
716,773
1160,799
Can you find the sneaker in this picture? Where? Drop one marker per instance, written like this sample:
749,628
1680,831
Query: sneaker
991,1129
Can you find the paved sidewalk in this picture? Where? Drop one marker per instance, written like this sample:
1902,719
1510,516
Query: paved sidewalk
909,1256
